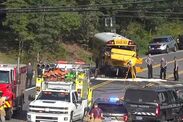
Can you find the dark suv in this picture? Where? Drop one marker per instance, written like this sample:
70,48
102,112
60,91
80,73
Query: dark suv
180,42
152,104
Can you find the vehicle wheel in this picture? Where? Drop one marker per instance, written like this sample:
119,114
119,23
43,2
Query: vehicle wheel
71,117
9,113
175,49
167,50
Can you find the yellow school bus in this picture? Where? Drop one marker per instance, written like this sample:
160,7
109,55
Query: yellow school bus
118,56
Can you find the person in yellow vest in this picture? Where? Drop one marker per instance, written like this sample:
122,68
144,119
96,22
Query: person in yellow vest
2,111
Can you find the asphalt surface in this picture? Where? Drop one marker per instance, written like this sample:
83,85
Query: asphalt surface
117,88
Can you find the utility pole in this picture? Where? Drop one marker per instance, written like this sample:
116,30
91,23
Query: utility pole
110,23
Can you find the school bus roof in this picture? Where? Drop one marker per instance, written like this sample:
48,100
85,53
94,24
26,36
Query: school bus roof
107,36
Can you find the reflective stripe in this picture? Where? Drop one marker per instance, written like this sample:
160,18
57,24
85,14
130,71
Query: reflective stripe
144,113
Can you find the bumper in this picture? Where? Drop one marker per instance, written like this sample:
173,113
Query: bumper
144,118
156,50
47,117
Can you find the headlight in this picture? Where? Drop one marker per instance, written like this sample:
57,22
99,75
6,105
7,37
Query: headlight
163,46
28,117
149,47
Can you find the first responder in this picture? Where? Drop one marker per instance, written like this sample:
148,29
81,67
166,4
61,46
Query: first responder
163,66
96,114
149,62
2,111
175,71
29,75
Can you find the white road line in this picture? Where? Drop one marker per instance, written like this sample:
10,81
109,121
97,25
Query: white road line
30,88
164,54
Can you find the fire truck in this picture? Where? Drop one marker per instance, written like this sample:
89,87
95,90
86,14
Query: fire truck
12,84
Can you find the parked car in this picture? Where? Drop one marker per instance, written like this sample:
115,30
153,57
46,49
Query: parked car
114,109
152,104
180,42
163,44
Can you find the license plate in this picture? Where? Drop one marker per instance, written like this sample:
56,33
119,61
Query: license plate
138,118
125,42
107,119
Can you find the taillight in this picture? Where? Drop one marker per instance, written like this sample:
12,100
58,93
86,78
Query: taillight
111,42
158,110
125,118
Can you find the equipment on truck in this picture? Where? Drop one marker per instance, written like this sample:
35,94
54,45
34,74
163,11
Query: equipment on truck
76,73
118,56
57,101
12,84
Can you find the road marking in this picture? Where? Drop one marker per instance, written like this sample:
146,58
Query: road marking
101,84
172,75
30,88
167,53
158,65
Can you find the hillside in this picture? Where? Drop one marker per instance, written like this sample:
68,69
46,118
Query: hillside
66,52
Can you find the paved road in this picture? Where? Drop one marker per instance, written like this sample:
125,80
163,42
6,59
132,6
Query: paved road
117,89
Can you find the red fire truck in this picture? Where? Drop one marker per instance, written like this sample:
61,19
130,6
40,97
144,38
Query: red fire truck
12,84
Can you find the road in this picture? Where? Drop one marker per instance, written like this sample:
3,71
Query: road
116,88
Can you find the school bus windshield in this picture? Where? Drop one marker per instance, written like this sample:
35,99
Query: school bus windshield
132,48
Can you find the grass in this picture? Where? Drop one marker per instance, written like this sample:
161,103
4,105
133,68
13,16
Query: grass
8,58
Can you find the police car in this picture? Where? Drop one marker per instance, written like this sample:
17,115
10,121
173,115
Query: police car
113,109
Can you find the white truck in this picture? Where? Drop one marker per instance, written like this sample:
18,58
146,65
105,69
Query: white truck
58,102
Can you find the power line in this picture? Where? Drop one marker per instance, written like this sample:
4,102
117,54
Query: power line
79,8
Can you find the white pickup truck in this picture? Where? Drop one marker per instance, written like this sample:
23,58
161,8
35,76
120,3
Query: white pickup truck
56,106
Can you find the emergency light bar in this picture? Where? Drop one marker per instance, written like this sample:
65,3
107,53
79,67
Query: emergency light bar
59,85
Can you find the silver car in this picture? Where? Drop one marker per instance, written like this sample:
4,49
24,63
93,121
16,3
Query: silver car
163,44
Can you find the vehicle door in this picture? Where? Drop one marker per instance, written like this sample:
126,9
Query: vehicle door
172,42
174,103
170,101
13,81
78,106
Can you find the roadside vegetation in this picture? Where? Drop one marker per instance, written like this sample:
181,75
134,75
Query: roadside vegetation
51,36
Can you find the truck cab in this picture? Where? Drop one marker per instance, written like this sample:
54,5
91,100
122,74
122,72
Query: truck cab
12,86
57,104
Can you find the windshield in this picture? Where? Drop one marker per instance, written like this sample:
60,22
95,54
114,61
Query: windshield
112,108
49,95
160,40
140,96
4,76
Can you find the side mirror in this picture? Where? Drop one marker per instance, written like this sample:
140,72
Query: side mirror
31,98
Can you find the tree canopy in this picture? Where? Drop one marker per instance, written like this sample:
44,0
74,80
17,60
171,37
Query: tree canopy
76,21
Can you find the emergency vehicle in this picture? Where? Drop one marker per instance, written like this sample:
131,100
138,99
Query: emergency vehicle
12,84
63,71
57,102
118,56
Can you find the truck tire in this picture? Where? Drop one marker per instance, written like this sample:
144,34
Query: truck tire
9,113
71,117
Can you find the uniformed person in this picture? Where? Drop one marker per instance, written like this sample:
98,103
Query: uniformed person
149,62
2,111
175,70
163,67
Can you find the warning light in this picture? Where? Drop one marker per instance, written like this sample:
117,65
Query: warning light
114,99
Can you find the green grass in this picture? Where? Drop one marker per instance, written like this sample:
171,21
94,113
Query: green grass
8,58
